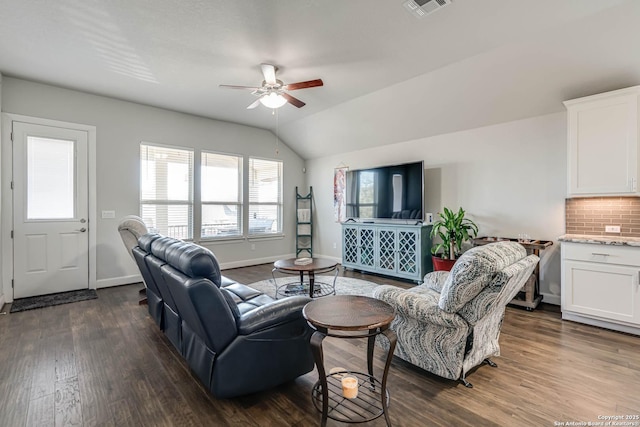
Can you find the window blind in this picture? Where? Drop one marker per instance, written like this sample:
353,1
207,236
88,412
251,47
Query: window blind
221,195
265,196
166,190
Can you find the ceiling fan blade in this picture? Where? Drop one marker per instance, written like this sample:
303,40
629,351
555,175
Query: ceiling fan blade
293,101
269,73
238,87
304,85
254,105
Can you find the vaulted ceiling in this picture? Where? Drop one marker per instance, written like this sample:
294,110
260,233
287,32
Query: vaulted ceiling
388,76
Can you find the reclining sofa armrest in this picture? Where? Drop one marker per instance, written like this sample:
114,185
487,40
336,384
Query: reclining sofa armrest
272,314
422,307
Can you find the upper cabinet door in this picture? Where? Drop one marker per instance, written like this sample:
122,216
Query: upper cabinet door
603,144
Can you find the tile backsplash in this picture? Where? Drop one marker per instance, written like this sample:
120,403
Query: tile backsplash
590,215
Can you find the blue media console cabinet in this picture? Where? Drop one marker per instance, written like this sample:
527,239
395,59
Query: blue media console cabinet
392,249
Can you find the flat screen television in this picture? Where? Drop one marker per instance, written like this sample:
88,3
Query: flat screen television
386,192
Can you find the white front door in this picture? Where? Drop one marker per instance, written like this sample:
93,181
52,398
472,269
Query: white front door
50,210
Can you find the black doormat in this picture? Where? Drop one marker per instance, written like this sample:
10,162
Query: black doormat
31,303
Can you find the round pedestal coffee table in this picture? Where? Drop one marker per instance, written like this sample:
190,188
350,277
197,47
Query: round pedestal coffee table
350,316
312,287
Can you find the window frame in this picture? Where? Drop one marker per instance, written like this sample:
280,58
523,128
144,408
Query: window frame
279,204
240,197
191,202
195,203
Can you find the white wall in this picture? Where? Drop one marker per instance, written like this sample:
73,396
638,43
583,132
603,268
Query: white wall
510,178
121,126
2,298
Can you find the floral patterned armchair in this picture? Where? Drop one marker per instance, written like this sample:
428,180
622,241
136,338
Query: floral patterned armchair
451,323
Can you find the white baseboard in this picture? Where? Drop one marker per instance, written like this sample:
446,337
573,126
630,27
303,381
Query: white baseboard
2,302
135,278
331,258
118,281
551,299
574,317
254,261
266,260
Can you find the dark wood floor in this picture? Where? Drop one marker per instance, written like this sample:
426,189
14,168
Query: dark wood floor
104,362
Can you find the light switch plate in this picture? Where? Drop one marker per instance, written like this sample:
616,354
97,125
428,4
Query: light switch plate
611,228
108,214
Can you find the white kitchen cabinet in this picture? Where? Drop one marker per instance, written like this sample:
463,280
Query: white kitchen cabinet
603,144
601,285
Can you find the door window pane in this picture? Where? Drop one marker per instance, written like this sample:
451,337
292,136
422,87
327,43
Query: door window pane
50,178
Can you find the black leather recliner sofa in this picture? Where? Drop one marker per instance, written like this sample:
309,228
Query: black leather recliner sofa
235,339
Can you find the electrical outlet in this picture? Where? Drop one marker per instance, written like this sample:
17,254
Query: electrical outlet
335,245
108,214
253,246
611,228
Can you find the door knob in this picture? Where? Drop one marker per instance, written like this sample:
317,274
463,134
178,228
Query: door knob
83,220
82,230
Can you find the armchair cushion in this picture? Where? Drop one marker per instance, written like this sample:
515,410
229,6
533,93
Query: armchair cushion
435,280
420,303
474,270
509,279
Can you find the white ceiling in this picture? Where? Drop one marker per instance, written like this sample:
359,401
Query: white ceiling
389,77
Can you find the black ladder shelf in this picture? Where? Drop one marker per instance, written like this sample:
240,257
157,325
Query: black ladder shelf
304,224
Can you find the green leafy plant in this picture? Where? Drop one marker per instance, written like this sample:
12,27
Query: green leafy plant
453,229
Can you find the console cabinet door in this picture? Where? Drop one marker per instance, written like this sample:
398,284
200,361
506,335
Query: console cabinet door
366,249
350,237
358,246
394,250
603,145
606,291
409,253
387,251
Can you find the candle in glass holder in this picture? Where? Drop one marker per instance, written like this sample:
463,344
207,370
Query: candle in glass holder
350,387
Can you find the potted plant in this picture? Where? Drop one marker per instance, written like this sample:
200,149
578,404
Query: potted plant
453,229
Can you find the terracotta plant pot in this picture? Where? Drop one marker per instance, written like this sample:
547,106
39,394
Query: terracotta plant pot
441,264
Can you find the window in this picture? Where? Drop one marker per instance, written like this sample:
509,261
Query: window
221,194
265,197
50,178
166,183
397,192
173,203
367,196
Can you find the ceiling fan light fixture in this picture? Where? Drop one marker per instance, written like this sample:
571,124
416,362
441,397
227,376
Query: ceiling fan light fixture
274,93
273,100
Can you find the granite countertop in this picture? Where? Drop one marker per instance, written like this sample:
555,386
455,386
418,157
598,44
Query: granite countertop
602,240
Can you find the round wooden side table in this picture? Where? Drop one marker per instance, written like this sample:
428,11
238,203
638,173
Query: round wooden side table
350,316
313,288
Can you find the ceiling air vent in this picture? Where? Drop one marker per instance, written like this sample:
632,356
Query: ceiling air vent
422,8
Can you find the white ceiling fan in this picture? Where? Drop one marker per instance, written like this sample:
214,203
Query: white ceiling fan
273,92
